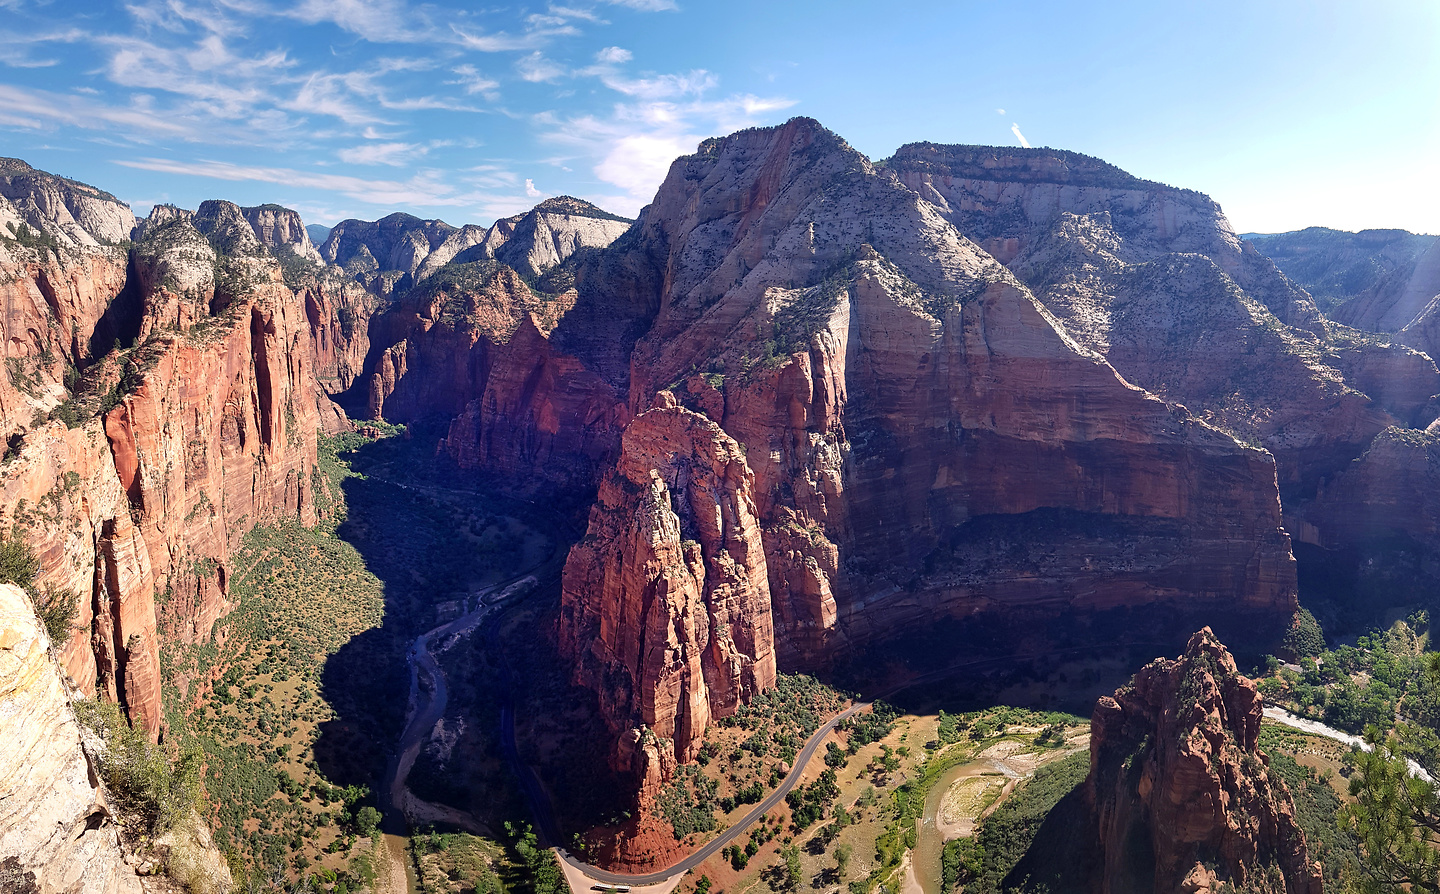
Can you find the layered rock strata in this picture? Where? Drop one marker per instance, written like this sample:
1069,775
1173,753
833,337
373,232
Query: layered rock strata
1181,792
134,472
665,604
895,388
1154,278
1335,266
54,820
896,391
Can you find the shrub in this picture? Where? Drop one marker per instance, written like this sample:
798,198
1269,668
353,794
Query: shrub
139,775
57,609
18,564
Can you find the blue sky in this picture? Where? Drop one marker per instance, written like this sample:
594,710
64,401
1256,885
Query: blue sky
1288,113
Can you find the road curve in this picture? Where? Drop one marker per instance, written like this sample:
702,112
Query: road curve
650,878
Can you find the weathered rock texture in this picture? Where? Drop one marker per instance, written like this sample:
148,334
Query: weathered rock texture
666,602
1153,278
1389,490
53,813
135,474
72,213
1181,792
895,390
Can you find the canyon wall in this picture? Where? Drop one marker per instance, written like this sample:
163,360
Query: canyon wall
1153,278
1180,791
896,393
665,603
156,406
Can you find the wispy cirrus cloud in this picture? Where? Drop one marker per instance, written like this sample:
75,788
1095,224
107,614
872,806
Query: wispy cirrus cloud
425,188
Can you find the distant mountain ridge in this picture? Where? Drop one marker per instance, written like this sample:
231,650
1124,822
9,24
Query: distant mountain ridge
1335,266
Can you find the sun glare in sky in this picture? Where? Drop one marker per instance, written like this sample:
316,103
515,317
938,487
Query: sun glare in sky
1289,114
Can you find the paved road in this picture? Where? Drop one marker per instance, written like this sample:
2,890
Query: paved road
730,834
540,805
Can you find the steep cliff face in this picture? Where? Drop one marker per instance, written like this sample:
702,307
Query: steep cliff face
1396,300
74,214
134,474
1180,791
895,388
1390,490
398,242
54,820
1153,278
280,229
551,232
665,605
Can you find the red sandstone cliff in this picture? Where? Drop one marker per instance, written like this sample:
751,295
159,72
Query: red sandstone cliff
897,391
1181,793
665,606
135,475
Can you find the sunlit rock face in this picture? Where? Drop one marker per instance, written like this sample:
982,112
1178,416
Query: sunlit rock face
1181,792
157,404
897,390
55,823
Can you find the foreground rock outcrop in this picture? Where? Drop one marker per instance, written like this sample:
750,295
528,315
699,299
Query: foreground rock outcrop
1181,792
54,818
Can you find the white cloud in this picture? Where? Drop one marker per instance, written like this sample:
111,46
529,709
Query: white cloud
1000,111
431,188
531,191
614,56
1015,129
634,147
394,154
646,5
472,81
39,109
536,68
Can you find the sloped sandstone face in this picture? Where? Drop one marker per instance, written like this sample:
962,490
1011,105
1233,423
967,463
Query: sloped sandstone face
896,390
666,602
1390,490
73,213
280,229
53,815
1397,300
1180,791
1153,278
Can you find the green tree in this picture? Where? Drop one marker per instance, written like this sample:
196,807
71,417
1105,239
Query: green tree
790,874
1305,638
842,860
367,820
1396,817
18,564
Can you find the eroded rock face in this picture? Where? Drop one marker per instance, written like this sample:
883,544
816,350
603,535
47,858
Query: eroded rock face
397,242
896,388
1181,792
155,461
73,213
1334,265
1153,278
54,820
665,606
